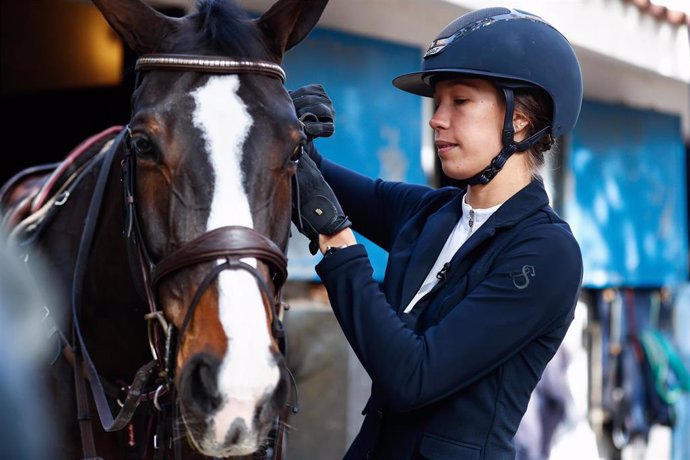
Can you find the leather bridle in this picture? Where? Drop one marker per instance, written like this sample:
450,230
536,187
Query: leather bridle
228,245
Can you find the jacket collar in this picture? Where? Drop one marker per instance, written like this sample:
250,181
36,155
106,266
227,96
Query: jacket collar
521,205
438,226
429,243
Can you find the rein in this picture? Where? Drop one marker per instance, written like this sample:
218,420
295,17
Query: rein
229,244
84,366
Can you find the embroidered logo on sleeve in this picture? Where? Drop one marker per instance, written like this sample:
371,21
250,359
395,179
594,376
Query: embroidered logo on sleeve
521,280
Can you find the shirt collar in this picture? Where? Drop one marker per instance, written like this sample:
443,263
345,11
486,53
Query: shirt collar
478,216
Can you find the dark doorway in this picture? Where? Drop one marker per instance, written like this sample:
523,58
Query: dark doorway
43,126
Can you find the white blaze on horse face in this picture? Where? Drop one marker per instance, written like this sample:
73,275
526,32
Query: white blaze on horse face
248,373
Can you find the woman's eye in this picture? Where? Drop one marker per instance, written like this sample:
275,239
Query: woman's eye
459,101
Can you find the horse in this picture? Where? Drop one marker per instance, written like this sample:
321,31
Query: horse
166,239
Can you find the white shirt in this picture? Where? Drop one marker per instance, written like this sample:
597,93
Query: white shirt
470,221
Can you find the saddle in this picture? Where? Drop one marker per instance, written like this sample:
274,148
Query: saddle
30,195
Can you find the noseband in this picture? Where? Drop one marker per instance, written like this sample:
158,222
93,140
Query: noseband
232,243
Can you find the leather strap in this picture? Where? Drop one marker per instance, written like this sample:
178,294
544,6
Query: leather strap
142,376
208,64
83,412
232,241
77,157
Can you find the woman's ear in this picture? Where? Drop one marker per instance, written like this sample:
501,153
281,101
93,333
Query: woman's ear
520,122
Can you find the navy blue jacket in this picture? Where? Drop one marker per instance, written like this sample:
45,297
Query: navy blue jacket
452,379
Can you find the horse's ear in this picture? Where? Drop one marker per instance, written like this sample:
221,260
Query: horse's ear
140,26
288,22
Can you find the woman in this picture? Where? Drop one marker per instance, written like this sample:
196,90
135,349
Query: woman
481,281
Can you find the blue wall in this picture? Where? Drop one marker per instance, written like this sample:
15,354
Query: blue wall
626,196
377,127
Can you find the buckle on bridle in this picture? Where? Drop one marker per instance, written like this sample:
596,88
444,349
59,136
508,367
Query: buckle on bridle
151,318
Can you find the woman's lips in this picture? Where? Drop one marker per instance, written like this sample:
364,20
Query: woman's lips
443,147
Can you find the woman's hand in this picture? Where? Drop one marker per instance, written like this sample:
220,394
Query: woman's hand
316,113
314,109
315,209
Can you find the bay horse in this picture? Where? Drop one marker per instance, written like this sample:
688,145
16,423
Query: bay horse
167,237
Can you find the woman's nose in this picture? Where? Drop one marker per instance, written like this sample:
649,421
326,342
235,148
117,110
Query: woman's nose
439,120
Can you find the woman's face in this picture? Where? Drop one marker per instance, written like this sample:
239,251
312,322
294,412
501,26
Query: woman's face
467,123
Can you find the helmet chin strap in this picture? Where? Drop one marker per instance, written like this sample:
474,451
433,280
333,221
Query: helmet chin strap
509,145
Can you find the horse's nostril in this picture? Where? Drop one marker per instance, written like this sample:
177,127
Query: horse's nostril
237,428
199,383
206,379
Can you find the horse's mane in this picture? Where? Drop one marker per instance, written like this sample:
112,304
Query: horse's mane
222,27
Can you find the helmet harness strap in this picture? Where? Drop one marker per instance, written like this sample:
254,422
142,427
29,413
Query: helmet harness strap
509,145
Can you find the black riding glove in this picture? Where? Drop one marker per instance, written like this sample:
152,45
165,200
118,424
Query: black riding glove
315,209
314,109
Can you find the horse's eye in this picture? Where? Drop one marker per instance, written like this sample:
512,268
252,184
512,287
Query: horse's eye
142,145
297,153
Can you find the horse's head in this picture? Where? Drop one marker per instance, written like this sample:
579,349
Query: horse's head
213,151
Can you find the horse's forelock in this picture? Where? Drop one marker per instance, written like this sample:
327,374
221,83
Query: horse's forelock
222,27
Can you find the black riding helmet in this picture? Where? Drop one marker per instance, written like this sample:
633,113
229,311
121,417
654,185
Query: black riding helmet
514,49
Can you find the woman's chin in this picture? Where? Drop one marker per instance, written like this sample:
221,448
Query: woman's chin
454,174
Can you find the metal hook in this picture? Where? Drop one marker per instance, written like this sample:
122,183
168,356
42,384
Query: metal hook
156,395
62,198
156,315
159,316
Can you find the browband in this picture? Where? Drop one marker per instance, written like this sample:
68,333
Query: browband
209,64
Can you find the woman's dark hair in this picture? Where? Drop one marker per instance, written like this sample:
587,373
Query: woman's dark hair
537,107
